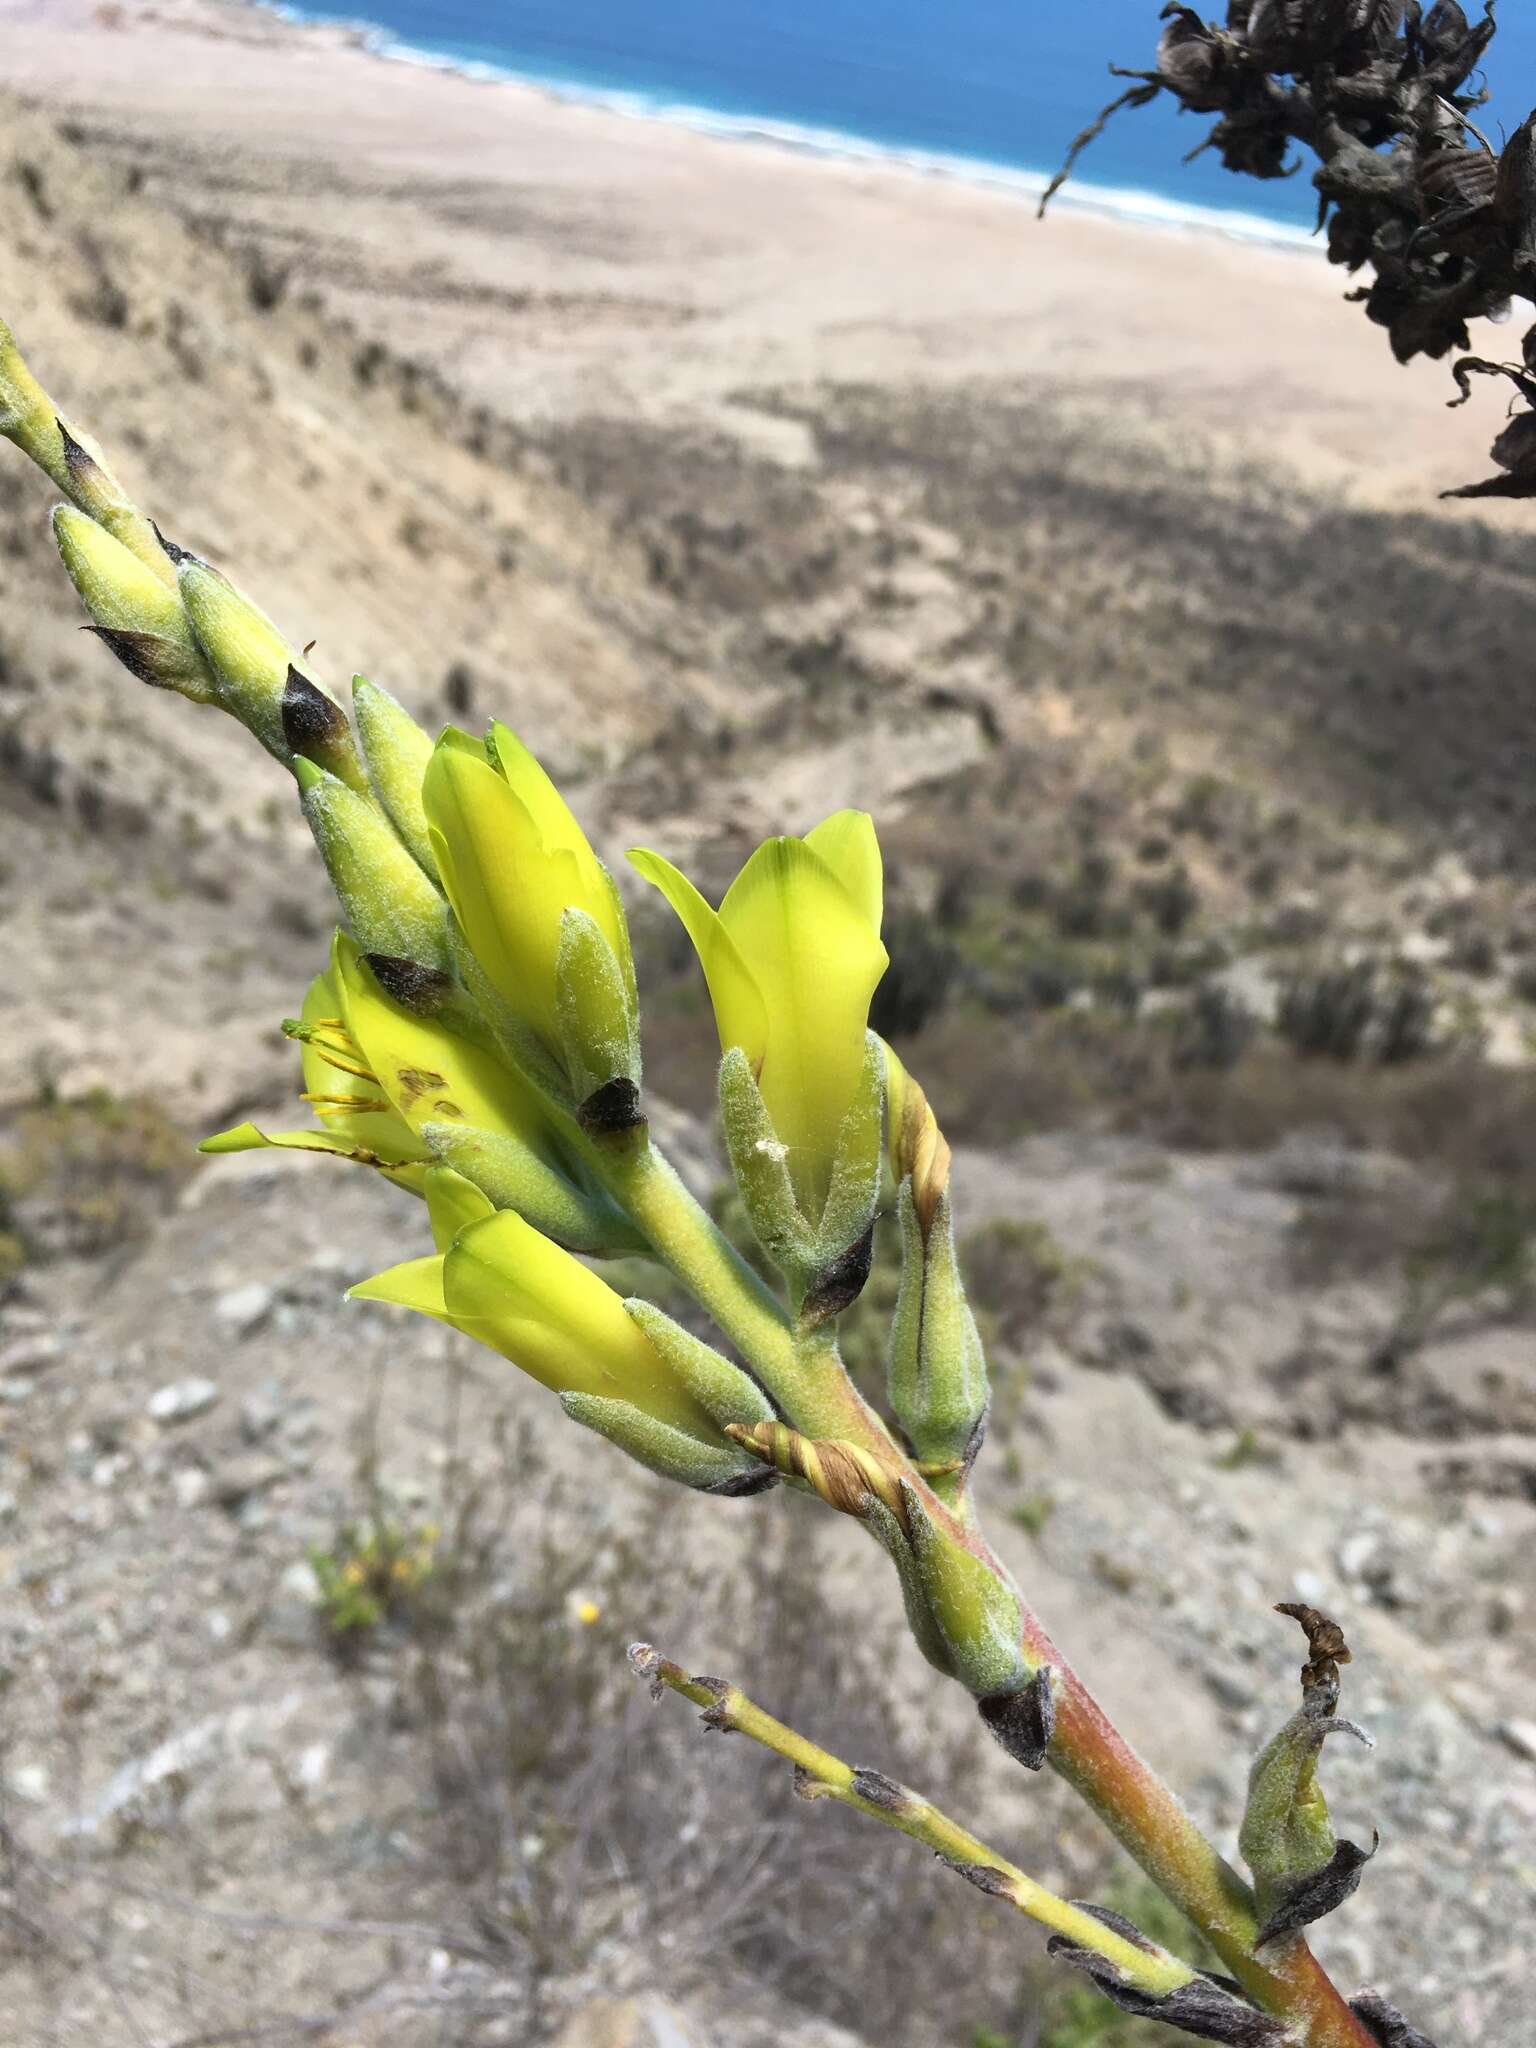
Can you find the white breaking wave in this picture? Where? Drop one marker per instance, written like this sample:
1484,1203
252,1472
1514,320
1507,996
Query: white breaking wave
1109,202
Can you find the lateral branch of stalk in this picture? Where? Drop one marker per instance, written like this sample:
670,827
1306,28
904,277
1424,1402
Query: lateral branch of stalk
820,1775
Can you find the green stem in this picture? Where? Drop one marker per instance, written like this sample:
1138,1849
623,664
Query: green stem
691,1244
802,1372
798,1365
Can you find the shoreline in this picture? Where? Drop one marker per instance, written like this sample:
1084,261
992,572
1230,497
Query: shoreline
560,260
1127,206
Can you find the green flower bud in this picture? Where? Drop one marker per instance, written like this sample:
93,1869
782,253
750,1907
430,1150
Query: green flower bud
513,1175
893,1539
259,680
937,1369
599,1027
1301,1870
397,752
976,1612
760,1164
845,1237
29,417
137,613
539,914
391,906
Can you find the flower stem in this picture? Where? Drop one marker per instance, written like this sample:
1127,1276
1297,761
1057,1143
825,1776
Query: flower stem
802,1372
799,1367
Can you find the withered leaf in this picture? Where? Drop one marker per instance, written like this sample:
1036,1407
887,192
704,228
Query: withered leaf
1208,2008
1387,2023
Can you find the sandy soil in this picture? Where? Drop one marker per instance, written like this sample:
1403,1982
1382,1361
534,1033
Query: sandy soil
561,260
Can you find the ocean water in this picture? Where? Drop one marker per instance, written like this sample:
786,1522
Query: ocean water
974,87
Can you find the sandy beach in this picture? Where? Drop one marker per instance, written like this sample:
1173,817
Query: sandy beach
559,260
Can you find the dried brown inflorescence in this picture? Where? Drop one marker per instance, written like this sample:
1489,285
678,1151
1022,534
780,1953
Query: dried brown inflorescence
1381,93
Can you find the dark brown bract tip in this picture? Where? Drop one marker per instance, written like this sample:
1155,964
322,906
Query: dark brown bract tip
1024,1721
879,1790
145,655
409,983
311,721
840,1284
1211,2008
80,463
173,552
1386,2023
612,1110
1320,1894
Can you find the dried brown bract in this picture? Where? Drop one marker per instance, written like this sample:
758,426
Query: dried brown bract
1325,1642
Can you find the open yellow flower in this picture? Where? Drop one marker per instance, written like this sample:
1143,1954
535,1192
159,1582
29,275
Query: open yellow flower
357,1119
792,958
499,1281
399,1090
529,893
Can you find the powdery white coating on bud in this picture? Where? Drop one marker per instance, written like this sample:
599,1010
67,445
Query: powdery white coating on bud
397,752
135,612
720,1468
391,906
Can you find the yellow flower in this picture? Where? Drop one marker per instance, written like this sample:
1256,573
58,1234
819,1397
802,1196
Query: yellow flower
792,958
498,1280
399,1089
357,1119
538,908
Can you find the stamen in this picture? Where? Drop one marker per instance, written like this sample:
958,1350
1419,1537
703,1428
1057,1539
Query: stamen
345,1058
343,1105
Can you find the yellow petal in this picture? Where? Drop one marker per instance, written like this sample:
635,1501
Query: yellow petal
417,1284
453,1204
431,1074
506,891
558,1322
558,831
847,843
740,1014
816,959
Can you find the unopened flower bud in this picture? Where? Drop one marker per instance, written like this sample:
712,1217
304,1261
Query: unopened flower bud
134,611
542,921
259,680
397,752
974,1609
672,1453
391,906
1300,1869
29,418
937,1369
